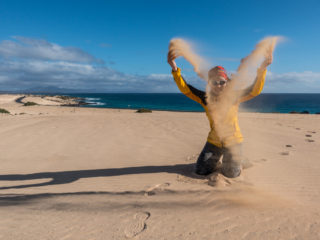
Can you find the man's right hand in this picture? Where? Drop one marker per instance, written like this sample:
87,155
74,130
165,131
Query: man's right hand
268,58
171,57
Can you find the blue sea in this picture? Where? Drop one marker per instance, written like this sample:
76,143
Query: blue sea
266,103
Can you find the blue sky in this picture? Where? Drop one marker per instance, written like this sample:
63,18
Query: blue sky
121,46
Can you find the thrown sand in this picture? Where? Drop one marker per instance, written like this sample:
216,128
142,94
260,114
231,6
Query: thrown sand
85,173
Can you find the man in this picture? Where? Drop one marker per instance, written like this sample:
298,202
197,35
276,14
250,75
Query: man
227,142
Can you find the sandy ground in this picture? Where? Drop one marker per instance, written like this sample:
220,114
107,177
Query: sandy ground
84,173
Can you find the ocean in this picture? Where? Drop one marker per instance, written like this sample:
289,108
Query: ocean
265,103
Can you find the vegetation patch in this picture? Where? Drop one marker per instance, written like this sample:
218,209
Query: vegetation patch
2,110
143,110
30,104
65,97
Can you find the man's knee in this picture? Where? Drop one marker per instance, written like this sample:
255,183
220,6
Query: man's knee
231,170
231,162
208,160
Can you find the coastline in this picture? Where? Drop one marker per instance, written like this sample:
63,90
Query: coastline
80,101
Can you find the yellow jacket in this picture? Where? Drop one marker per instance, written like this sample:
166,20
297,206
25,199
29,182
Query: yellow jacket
234,135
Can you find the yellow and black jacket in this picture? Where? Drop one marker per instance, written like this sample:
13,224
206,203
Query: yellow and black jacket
231,120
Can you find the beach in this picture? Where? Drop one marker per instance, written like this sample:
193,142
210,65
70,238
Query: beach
87,173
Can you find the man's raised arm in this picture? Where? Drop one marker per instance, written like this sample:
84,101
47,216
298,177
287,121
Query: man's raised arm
188,90
256,88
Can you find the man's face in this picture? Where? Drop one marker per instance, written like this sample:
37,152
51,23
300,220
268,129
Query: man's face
217,85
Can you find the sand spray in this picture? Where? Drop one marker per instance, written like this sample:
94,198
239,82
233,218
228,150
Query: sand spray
219,106
180,47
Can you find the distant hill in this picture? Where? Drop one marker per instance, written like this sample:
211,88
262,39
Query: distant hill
50,90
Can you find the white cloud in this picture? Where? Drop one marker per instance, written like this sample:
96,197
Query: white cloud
27,63
17,75
302,77
30,63
29,48
303,82
164,77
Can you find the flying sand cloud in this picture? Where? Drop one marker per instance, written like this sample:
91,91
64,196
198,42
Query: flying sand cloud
29,63
221,107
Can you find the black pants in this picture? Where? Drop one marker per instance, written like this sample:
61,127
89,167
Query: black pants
210,156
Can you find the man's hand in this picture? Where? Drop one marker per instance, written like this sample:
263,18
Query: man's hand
268,58
171,57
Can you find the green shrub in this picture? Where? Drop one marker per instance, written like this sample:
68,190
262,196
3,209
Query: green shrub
143,110
4,111
64,97
30,104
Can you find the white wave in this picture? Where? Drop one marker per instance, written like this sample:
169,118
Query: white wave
92,99
97,103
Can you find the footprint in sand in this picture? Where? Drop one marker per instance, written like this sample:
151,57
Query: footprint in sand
312,132
138,225
284,153
158,187
310,140
308,135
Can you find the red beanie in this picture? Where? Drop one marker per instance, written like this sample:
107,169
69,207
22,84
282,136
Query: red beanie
218,72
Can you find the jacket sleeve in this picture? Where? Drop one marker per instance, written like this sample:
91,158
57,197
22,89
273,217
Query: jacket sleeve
256,88
188,90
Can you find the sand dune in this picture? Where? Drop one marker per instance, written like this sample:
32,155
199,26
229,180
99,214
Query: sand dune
84,173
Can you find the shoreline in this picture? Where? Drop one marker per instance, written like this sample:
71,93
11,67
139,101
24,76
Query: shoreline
70,101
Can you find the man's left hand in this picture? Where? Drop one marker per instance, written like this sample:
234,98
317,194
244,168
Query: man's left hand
268,58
